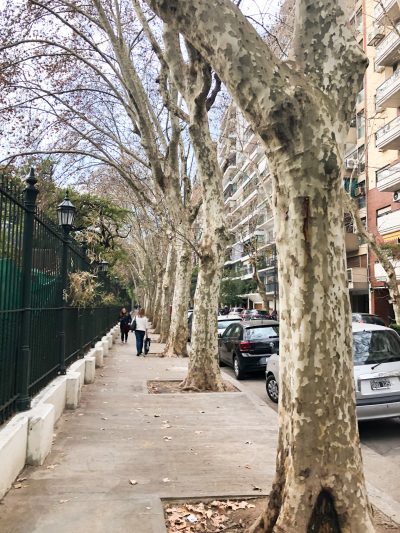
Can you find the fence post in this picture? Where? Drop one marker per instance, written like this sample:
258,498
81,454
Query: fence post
63,295
24,363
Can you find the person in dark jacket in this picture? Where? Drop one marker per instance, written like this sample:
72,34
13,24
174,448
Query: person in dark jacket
125,320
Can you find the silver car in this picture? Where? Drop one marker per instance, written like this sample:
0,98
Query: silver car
376,351
224,322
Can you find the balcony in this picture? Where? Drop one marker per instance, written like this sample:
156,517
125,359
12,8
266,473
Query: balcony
388,179
387,53
272,288
375,35
389,223
388,94
389,9
352,242
388,137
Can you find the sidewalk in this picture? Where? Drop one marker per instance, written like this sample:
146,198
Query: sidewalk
218,445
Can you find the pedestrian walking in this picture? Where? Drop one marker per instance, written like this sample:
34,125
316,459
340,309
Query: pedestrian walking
141,330
125,320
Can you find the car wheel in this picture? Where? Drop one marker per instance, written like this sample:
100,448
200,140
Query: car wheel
239,374
272,388
220,362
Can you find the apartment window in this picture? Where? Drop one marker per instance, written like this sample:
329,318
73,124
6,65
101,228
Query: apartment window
364,221
360,121
382,212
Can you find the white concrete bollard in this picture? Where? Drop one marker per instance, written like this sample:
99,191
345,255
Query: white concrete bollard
40,433
13,442
73,390
90,369
110,340
98,354
104,343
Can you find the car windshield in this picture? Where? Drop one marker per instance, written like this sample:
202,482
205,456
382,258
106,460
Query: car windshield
371,347
222,324
261,333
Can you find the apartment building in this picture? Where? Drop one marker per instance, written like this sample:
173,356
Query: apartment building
247,189
371,173
374,156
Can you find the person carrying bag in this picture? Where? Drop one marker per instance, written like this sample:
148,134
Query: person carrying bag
141,324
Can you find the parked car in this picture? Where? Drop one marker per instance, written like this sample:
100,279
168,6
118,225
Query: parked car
236,311
376,351
367,318
246,346
224,322
255,314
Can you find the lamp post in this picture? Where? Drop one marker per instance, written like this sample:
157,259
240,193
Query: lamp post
24,362
66,217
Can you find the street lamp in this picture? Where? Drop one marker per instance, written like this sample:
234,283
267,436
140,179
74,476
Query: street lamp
103,266
66,214
66,217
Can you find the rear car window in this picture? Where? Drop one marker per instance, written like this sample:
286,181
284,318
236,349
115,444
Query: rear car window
262,333
225,323
371,347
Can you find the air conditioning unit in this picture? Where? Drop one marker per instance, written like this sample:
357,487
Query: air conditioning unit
396,196
379,68
350,275
350,163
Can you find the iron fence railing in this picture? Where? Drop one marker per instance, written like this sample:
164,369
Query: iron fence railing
36,321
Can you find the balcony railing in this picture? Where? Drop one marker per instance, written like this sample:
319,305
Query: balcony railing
388,137
388,8
388,179
375,35
387,51
388,93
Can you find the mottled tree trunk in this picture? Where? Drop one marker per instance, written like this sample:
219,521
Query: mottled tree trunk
204,372
319,476
157,303
178,331
166,294
260,284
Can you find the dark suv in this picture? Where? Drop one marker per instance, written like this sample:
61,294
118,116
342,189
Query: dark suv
255,314
246,346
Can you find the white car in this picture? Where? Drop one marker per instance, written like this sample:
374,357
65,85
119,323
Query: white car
376,352
224,322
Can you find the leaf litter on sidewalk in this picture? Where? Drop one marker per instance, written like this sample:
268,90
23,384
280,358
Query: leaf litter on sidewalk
215,516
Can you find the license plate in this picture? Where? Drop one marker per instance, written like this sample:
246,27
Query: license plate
380,384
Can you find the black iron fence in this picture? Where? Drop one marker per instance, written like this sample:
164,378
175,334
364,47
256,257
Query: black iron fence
40,333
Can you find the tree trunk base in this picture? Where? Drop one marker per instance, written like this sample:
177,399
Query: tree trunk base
172,352
202,384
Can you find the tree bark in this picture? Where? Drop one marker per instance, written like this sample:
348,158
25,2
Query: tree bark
178,331
319,477
166,294
260,284
157,302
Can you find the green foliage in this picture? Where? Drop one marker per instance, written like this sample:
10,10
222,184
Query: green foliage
396,327
231,289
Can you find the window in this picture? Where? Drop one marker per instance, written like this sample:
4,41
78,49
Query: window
360,121
383,211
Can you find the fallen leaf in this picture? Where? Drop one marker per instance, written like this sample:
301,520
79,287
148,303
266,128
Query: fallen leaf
156,416
20,479
256,488
133,481
248,442
167,438
63,501
104,418
18,486
166,480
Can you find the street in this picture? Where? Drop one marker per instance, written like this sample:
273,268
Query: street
382,436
